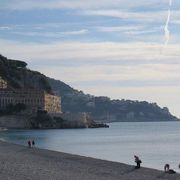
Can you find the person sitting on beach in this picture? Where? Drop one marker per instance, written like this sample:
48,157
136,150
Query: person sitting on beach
167,170
137,161
29,144
171,171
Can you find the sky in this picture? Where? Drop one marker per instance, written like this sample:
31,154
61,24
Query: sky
115,48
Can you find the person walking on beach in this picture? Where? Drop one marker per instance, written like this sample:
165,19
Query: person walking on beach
29,144
33,143
137,161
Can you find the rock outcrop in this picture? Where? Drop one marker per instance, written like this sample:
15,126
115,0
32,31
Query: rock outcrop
43,120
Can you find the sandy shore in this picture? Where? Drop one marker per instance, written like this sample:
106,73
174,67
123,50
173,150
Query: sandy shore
21,163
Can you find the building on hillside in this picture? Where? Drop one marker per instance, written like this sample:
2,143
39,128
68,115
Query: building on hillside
52,103
33,99
3,84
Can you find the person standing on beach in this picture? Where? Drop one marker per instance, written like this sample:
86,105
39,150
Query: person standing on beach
166,167
33,143
29,144
137,161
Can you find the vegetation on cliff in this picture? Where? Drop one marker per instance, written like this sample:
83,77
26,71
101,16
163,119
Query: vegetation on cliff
18,76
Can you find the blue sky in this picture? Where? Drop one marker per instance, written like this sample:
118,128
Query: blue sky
112,48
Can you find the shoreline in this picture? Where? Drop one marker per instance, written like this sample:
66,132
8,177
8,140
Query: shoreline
19,162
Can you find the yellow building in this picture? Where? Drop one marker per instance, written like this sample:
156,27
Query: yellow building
33,99
52,103
3,84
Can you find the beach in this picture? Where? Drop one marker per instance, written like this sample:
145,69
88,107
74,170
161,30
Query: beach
19,162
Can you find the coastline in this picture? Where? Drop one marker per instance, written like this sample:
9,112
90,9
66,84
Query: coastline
19,162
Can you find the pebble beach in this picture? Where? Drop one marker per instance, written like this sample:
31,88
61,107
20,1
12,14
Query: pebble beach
19,162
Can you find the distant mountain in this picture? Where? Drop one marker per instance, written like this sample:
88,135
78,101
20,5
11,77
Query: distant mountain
104,109
99,108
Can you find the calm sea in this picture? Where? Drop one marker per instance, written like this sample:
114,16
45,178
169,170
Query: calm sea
156,143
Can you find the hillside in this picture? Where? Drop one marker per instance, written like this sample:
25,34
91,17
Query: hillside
18,76
106,110
99,108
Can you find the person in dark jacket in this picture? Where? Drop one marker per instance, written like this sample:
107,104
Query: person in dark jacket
137,161
166,167
33,143
29,144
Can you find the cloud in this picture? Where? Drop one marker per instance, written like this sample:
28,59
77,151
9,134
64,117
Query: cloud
76,4
5,28
129,30
142,32
177,22
118,28
146,75
91,50
99,61
138,16
53,34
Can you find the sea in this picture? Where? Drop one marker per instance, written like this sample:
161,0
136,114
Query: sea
156,143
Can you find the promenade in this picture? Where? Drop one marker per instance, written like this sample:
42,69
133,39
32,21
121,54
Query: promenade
21,163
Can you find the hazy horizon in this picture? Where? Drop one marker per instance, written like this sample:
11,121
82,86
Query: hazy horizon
119,49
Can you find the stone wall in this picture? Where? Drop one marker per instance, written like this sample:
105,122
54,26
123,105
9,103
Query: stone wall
71,116
15,121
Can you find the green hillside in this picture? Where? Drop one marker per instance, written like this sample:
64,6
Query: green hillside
18,76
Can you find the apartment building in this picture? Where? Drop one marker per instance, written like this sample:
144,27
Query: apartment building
33,99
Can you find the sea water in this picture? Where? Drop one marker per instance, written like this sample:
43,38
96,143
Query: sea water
156,143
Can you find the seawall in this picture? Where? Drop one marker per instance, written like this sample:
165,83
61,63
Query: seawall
48,121
15,121
20,163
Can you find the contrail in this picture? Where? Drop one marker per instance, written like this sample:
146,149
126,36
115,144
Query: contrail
166,27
